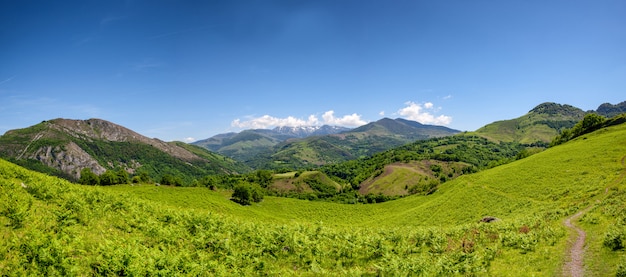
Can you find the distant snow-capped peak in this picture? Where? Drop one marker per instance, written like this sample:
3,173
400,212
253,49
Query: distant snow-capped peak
305,131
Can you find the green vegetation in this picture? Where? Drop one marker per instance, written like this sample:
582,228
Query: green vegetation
246,194
157,164
416,168
476,152
538,126
51,227
590,123
311,185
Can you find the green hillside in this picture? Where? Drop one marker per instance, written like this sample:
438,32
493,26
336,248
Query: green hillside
539,125
445,157
242,146
51,227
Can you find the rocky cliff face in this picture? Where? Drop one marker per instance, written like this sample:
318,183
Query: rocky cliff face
69,158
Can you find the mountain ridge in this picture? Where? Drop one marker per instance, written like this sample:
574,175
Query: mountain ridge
265,148
66,146
538,126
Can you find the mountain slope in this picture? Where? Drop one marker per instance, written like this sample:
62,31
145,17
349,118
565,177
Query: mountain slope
363,141
539,125
313,146
63,147
247,144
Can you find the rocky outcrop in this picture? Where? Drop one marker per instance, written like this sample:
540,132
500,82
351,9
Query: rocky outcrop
105,130
69,158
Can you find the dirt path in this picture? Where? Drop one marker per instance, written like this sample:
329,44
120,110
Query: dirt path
574,267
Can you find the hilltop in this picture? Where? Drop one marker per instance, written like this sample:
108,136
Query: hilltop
64,147
610,110
539,125
542,123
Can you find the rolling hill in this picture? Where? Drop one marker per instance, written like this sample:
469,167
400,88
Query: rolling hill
63,147
419,167
539,125
246,145
52,227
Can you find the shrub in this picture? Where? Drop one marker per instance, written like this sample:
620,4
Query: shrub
87,177
109,178
246,193
614,239
169,180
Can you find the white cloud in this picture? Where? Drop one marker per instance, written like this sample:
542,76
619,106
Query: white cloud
422,113
328,118
381,113
351,120
189,139
268,121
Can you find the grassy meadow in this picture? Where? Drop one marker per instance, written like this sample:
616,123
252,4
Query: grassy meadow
52,227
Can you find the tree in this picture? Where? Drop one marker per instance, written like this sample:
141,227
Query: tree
142,177
122,176
262,177
590,123
246,193
170,180
108,178
87,177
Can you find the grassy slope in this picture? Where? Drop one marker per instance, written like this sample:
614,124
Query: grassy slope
70,229
524,129
398,178
559,179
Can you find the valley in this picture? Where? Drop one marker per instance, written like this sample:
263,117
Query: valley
462,205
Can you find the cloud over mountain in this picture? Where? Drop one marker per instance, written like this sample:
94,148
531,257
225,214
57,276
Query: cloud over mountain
328,118
423,113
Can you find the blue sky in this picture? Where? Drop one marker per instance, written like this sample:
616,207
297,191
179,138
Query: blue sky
188,70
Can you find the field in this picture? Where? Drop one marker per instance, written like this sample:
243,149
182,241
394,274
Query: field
417,176
52,227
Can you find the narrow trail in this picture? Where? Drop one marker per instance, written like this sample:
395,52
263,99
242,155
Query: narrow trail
574,266
38,136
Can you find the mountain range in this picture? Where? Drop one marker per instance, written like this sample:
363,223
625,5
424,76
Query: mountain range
63,147
248,144
314,146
